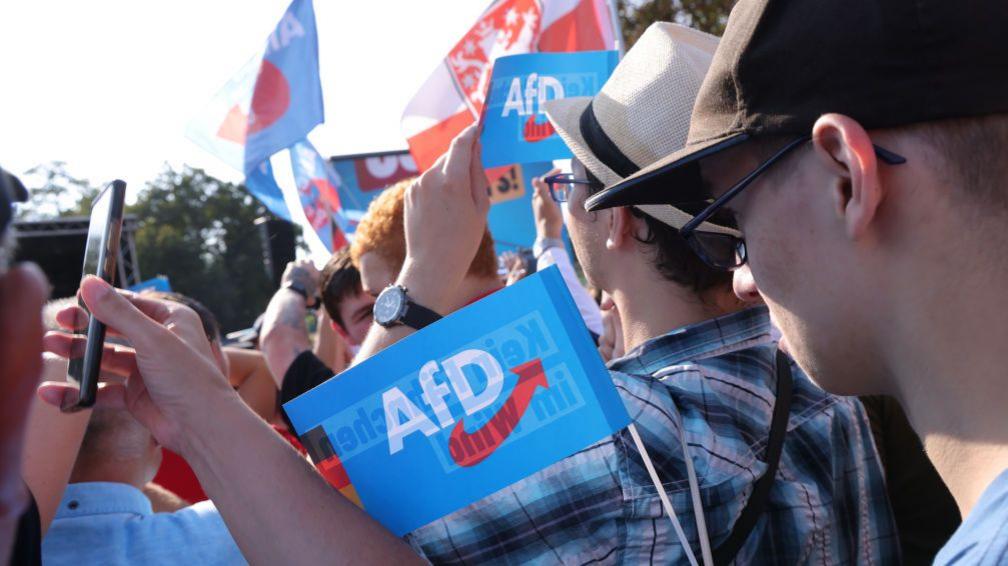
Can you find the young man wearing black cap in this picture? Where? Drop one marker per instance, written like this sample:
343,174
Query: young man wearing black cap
859,146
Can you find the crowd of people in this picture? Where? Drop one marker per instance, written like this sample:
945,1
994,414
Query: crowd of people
789,239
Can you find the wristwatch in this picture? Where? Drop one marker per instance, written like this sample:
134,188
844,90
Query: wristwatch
310,302
394,306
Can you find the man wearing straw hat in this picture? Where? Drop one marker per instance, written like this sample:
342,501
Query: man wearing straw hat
812,494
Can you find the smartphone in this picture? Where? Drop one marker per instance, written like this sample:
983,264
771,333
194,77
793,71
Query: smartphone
100,254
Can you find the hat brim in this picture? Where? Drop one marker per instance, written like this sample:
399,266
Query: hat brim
565,115
676,178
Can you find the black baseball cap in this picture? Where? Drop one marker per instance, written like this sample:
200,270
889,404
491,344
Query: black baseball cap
11,191
783,63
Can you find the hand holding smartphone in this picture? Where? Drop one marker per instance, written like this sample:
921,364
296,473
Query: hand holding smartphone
100,254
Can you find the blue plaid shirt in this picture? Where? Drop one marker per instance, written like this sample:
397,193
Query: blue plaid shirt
828,504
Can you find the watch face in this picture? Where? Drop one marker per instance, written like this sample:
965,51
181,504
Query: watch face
389,305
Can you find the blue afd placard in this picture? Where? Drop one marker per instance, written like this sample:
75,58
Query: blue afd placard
473,403
515,128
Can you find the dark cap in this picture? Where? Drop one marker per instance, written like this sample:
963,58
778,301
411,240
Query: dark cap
783,63
11,191
13,188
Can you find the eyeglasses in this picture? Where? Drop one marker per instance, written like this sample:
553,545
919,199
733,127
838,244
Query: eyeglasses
726,251
561,185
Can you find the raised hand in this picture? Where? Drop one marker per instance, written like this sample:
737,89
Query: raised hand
548,216
445,218
171,363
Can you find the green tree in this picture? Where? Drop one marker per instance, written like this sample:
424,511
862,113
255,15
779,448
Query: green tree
196,229
706,15
60,193
200,232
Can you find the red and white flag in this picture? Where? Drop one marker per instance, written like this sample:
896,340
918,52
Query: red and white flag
453,96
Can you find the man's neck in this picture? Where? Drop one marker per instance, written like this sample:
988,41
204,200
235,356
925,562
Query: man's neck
947,361
650,307
118,472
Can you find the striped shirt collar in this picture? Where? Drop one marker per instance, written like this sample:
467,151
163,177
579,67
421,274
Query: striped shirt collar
709,338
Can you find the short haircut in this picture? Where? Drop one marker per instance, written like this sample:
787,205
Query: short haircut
383,231
340,279
671,256
211,327
973,153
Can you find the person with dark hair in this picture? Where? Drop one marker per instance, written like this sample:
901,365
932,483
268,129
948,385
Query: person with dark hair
348,306
710,354
284,339
859,149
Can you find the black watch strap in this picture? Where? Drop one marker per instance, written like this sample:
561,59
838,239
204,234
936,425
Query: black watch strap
418,316
310,302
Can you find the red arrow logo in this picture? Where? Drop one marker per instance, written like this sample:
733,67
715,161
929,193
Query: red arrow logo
469,449
536,132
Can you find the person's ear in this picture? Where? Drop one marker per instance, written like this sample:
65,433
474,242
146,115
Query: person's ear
845,149
620,225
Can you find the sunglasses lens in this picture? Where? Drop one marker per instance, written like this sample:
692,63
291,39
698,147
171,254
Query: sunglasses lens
721,251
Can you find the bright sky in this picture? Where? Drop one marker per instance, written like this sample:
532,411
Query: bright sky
108,86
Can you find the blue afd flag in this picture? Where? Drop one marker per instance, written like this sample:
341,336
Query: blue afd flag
471,404
515,128
317,186
274,100
261,183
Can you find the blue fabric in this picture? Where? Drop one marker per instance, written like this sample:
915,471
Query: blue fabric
288,87
828,505
317,184
982,539
112,523
263,186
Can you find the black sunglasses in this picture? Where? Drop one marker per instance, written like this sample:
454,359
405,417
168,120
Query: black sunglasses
726,251
560,185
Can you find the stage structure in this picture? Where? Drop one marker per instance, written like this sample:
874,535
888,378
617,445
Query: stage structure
57,246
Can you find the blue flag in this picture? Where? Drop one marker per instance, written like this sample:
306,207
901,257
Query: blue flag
261,183
317,186
515,128
473,403
274,100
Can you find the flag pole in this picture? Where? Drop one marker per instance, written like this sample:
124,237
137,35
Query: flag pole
662,494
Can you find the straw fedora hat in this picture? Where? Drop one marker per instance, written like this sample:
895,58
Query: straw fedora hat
642,113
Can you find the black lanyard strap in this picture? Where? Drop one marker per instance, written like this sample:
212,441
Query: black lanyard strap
725,553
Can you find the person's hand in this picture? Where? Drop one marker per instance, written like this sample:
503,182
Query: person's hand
548,216
611,342
445,219
23,291
171,379
303,274
515,268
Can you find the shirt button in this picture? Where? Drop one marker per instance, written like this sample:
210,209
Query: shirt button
73,505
